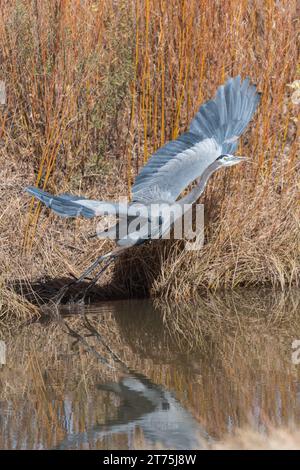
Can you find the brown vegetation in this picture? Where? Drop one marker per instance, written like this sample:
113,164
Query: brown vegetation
94,87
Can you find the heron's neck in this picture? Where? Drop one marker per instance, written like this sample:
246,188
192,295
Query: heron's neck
196,192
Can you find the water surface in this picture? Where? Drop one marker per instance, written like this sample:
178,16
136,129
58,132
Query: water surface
133,374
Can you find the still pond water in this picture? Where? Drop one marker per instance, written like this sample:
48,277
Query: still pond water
133,374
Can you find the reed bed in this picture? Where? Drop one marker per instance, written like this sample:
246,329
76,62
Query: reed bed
94,87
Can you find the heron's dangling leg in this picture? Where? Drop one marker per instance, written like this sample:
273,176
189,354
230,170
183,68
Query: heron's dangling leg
97,277
109,256
62,292
90,269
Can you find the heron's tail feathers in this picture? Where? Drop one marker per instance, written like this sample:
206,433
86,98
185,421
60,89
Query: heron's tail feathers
68,205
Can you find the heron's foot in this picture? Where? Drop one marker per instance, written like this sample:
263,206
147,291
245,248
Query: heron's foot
64,290
80,297
61,293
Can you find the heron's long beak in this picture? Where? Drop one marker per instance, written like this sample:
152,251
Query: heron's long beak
242,159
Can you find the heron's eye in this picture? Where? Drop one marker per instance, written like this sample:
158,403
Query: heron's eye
165,406
221,157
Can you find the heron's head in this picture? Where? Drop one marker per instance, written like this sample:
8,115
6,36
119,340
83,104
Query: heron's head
230,160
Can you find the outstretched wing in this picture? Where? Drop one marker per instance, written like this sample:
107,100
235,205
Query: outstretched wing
226,116
217,125
170,170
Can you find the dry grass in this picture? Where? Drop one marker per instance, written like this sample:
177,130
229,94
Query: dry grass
94,87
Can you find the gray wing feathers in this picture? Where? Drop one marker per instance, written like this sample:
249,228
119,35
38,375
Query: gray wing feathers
177,172
221,120
163,156
226,116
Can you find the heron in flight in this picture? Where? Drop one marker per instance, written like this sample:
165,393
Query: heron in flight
208,145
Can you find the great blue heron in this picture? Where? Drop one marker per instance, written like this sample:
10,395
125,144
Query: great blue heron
208,145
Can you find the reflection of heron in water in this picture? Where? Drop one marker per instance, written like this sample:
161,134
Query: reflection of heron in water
149,407
144,405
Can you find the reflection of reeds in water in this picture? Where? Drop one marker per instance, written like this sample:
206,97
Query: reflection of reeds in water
246,340
228,361
106,84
